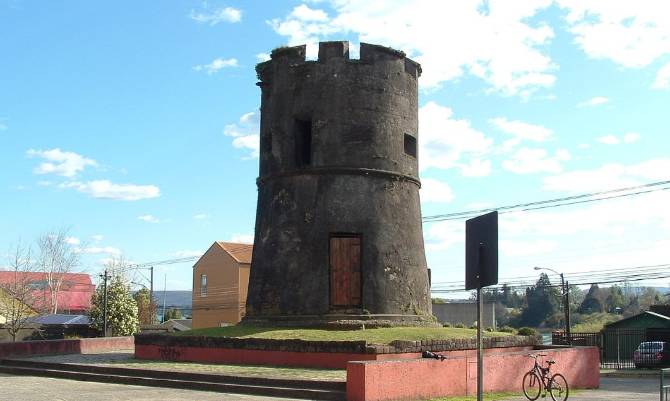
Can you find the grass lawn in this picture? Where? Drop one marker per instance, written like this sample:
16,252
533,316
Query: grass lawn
372,336
487,397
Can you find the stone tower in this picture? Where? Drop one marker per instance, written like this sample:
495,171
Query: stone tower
338,225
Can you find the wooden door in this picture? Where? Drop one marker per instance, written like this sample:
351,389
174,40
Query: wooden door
345,272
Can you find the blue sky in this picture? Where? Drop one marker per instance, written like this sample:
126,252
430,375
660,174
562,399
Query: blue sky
134,124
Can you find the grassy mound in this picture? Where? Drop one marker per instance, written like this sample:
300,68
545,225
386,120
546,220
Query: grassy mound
372,336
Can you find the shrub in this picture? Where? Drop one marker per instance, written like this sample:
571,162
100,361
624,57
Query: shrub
527,331
474,326
508,329
460,326
446,324
489,329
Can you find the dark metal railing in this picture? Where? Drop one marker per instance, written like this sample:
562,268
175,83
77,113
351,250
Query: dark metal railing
617,346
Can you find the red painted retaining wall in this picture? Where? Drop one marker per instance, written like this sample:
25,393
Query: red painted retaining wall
74,346
429,378
325,360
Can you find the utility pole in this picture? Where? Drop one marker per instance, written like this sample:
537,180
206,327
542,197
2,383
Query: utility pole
567,312
151,296
104,304
164,291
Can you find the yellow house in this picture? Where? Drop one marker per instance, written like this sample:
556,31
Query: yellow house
12,308
220,281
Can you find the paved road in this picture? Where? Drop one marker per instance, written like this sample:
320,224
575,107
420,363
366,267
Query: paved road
27,388
615,389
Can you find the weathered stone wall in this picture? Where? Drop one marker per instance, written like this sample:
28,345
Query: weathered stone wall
358,180
352,347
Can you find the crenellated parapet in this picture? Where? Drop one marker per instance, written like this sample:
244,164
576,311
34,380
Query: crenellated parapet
333,53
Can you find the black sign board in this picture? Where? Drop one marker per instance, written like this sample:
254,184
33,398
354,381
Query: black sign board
481,251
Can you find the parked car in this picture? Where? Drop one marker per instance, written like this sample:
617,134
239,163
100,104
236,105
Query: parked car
652,354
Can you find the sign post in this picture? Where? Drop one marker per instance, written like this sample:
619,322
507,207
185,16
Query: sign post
481,270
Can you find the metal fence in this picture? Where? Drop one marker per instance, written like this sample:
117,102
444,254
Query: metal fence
617,346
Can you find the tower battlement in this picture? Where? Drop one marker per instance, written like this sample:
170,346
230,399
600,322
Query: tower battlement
336,52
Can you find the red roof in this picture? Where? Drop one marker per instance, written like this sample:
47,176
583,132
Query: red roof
74,295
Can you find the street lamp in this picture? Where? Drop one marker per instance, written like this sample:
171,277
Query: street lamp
566,301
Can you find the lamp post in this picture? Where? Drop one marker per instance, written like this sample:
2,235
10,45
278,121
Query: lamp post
566,301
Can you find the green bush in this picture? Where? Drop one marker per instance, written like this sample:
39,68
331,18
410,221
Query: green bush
474,326
460,326
446,324
489,329
508,329
527,331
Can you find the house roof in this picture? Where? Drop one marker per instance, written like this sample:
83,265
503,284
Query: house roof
75,292
59,319
240,252
640,316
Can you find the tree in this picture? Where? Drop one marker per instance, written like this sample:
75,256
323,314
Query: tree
541,302
650,296
17,296
615,300
146,309
121,308
593,301
172,314
56,258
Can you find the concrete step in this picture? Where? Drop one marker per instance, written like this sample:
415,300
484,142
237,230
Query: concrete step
263,386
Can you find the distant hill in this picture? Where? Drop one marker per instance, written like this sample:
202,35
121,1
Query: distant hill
174,299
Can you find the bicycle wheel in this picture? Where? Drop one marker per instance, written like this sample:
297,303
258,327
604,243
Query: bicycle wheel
532,385
558,387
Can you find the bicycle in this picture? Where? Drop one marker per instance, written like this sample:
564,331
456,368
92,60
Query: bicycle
538,379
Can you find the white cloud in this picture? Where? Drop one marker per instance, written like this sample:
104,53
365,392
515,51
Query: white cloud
216,65
631,137
109,250
304,13
628,137
502,48
242,238
188,254
245,133
523,130
609,140
527,160
200,216
149,218
72,240
475,168
443,235
104,189
608,176
224,14
630,33
435,191
594,101
662,78
66,164
448,143
260,57
516,248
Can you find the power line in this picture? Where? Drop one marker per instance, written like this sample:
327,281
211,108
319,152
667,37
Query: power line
628,274
549,203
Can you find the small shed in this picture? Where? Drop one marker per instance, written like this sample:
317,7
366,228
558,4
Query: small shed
644,320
